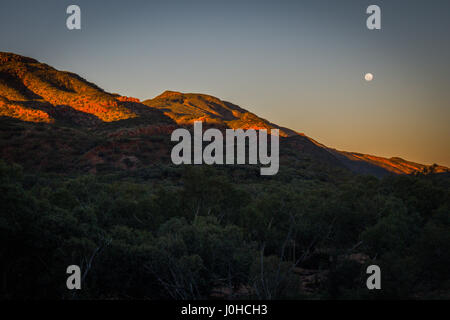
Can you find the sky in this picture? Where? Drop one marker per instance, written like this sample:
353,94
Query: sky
300,64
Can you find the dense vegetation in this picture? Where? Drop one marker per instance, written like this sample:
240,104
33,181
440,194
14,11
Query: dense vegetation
225,232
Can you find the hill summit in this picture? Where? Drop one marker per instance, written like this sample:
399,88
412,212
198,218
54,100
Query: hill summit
185,108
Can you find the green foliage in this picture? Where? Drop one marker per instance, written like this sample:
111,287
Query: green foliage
163,232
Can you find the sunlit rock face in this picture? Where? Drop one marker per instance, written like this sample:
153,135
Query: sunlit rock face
26,84
186,108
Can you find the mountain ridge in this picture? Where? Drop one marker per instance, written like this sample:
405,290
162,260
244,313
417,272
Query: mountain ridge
34,92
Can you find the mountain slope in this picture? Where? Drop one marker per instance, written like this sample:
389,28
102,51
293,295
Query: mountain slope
185,108
28,83
395,165
121,128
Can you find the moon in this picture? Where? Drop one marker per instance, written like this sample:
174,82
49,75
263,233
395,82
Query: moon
368,77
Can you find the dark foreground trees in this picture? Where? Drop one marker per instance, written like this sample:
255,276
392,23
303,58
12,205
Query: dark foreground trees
210,233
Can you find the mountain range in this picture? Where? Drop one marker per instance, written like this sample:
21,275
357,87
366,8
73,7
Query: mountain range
56,120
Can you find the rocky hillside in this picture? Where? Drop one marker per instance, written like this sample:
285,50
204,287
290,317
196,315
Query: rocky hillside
26,85
185,108
85,128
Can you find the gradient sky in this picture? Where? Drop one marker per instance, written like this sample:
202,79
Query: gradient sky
300,64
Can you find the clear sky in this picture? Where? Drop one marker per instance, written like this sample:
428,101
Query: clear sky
300,64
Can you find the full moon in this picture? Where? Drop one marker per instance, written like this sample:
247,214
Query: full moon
368,77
